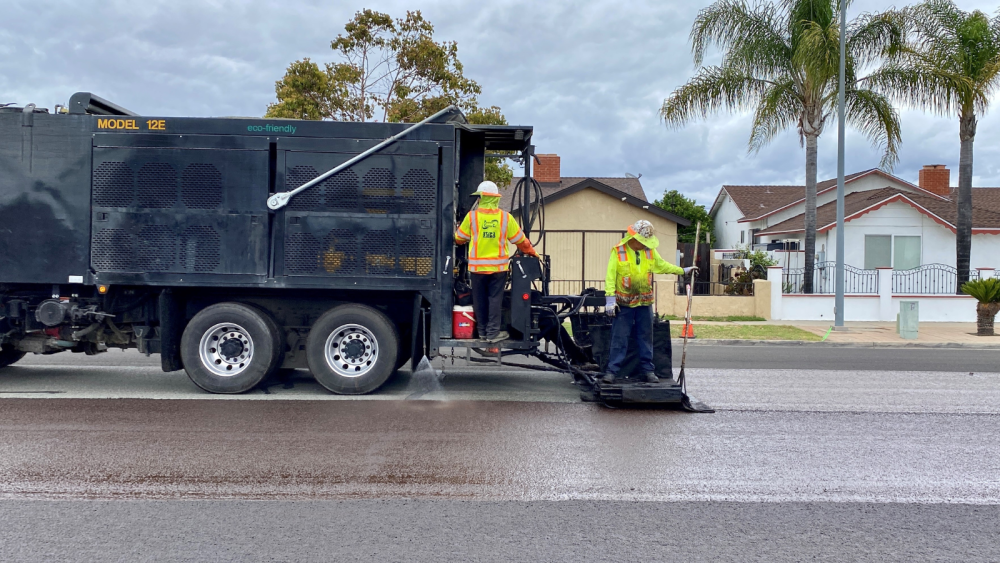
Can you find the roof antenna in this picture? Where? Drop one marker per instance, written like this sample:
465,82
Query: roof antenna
631,175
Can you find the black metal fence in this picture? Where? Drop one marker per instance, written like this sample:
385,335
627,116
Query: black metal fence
576,287
715,288
928,279
731,280
856,280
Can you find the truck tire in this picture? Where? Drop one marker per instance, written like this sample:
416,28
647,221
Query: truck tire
352,349
279,338
230,348
8,355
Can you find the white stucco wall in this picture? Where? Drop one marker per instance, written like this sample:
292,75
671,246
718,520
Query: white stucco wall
937,242
985,251
933,308
727,227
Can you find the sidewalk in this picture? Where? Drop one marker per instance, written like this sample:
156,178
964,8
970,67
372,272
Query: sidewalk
877,334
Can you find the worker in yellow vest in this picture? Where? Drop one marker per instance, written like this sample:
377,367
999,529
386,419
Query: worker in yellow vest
629,297
487,228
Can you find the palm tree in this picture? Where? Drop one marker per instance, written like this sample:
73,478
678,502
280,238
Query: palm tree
952,68
781,59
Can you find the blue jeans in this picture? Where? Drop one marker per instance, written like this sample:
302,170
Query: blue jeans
632,324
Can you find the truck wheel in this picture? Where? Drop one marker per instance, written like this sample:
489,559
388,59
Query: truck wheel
229,348
352,349
8,355
278,332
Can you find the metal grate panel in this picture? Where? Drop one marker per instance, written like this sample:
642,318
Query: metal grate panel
301,253
309,200
112,250
418,191
379,191
113,184
156,185
201,186
380,253
342,191
157,249
416,256
340,256
200,249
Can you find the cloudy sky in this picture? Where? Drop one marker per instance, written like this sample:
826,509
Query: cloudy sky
588,75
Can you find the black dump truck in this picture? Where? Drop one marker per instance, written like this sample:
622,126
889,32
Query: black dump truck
235,247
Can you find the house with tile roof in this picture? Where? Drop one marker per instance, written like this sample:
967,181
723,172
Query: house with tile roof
586,216
889,222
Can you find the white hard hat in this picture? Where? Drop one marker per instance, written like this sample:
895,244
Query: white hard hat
487,188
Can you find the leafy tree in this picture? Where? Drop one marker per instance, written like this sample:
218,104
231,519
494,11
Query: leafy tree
676,203
952,67
388,70
781,59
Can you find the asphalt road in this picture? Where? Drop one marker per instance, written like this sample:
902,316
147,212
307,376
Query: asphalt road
804,462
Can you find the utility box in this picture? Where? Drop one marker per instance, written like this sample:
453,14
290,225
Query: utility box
909,319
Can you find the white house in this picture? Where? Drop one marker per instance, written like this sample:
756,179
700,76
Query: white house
889,222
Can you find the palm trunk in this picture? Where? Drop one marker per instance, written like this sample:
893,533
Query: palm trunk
985,312
963,234
811,150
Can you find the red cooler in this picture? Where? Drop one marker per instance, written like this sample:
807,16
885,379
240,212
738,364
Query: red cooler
463,322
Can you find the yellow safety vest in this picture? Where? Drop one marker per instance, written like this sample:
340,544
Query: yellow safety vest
487,231
633,283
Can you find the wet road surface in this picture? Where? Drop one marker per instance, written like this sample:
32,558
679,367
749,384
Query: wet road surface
797,464
488,450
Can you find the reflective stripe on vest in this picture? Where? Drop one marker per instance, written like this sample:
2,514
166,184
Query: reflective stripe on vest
474,224
623,254
502,235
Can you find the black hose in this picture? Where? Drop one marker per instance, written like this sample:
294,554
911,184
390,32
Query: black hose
563,357
536,208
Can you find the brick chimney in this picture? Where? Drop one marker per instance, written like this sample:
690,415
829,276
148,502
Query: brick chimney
935,178
546,170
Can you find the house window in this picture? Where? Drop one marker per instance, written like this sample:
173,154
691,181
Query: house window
878,251
887,251
743,235
905,253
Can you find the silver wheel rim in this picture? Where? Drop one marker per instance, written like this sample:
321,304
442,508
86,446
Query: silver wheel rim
351,350
226,349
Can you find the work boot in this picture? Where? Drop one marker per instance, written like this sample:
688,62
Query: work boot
650,377
608,378
500,337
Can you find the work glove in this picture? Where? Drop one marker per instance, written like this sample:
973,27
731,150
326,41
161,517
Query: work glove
690,269
610,305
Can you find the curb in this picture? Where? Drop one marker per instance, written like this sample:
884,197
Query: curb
807,343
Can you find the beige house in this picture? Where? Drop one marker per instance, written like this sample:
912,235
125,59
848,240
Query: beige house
585,217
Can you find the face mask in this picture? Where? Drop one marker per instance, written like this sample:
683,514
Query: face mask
489,202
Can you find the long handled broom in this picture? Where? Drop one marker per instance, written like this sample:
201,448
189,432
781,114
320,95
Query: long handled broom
690,403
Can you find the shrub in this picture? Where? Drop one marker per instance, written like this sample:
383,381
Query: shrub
987,292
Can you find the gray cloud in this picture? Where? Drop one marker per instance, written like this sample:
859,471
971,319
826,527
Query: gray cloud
589,76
